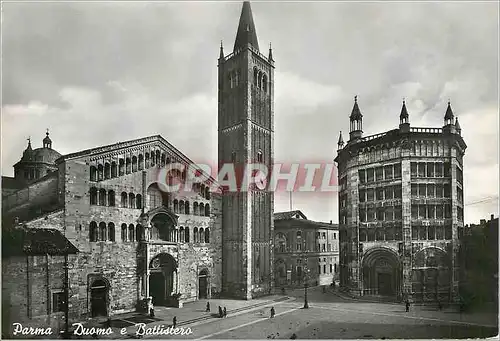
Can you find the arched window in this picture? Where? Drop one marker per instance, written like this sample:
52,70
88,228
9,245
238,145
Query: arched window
186,233
167,161
124,200
181,207
201,238
93,232
152,159
195,235
280,242
255,76
207,193
127,165
131,233
111,232
138,201
113,170
107,171
186,207
182,237
124,232
207,236
264,83
100,172
141,162
207,210
379,235
102,231
111,198
202,209
131,200
176,206
260,80
134,163
195,208
157,156
260,156
93,196
163,157
139,234
121,167
156,198
146,160
93,173
362,235
102,197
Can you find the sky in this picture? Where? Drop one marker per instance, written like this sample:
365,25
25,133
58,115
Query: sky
100,73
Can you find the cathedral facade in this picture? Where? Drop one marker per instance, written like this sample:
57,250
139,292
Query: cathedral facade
139,245
401,209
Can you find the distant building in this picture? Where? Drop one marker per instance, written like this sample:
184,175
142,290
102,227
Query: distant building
304,250
34,278
400,208
479,259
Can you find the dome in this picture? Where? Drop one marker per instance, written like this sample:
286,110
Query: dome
45,155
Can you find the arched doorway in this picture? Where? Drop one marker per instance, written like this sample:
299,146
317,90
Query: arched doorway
161,279
381,272
280,273
99,298
431,276
203,284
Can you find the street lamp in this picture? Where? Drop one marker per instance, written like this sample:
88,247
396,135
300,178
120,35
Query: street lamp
306,277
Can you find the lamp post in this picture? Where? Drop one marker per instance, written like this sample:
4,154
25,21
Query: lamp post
306,277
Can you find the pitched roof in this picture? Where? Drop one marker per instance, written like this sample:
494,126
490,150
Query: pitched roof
355,113
135,142
404,112
35,241
289,215
246,34
449,113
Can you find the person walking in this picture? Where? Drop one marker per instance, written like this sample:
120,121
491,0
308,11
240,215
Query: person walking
152,312
174,321
273,312
208,307
225,312
407,304
221,314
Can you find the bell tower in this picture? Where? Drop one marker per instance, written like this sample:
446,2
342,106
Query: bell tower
246,135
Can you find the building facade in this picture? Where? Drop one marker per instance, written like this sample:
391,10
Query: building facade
400,209
305,250
137,243
246,136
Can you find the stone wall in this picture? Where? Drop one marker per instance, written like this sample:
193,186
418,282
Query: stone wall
27,288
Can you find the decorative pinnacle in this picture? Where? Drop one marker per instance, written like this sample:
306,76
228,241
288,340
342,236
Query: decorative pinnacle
356,99
47,132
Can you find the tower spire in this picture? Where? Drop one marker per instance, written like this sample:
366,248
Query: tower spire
340,143
270,53
403,117
221,54
246,34
356,118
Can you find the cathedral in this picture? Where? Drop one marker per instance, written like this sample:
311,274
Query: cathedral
93,234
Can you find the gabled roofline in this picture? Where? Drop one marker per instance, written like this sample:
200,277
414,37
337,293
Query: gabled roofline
130,143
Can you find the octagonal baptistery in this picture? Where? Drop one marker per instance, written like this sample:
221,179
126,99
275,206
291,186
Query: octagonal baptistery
135,240
400,209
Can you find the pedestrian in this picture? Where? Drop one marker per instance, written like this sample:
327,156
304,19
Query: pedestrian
273,312
225,312
208,307
221,314
152,312
407,304
174,321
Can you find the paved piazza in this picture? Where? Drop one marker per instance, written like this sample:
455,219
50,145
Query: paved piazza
332,317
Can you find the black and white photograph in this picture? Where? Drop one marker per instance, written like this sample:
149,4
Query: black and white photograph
259,170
